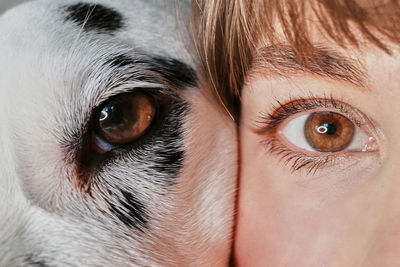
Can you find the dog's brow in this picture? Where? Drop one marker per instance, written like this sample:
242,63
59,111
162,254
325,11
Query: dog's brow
169,71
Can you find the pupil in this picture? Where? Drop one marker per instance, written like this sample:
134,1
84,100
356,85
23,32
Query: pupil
112,114
331,129
327,128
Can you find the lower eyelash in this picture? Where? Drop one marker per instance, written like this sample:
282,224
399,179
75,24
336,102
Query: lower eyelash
297,160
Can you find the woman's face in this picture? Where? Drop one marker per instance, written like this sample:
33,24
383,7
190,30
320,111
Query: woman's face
320,162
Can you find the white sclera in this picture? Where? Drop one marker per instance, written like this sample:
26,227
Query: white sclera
294,133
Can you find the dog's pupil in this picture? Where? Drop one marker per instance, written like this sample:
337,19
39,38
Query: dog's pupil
111,115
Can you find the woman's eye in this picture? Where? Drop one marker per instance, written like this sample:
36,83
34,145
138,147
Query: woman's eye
124,120
328,131
325,131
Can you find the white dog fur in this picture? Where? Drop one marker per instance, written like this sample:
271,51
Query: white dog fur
54,73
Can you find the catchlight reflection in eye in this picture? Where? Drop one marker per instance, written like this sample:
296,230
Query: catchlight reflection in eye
326,132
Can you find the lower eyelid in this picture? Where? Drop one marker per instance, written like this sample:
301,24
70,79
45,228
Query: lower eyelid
295,159
311,162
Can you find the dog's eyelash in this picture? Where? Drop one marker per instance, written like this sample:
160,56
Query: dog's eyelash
271,121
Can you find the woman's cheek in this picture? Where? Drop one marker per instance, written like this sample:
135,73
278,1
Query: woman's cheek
288,217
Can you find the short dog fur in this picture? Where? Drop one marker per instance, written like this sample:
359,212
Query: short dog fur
165,200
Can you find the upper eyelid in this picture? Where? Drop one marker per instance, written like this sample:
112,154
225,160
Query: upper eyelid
121,73
110,81
272,120
101,97
125,87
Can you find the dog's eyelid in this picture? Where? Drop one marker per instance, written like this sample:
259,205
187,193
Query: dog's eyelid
128,87
169,71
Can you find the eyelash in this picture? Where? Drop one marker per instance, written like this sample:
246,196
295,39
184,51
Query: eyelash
300,104
271,122
297,159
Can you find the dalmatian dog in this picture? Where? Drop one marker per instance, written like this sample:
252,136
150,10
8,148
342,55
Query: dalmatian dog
112,151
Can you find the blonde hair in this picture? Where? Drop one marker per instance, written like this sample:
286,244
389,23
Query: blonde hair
227,33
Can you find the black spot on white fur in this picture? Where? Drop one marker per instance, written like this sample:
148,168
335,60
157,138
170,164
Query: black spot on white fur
168,161
168,153
33,261
128,209
175,71
94,17
122,61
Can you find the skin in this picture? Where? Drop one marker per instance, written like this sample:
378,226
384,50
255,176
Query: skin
347,213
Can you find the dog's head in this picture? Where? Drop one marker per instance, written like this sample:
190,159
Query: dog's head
111,152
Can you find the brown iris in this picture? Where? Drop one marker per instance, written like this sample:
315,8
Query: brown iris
328,131
126,118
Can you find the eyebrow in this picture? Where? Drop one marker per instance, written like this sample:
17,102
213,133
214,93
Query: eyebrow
151,68
281,60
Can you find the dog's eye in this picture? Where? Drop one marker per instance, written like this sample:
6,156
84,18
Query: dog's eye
125,118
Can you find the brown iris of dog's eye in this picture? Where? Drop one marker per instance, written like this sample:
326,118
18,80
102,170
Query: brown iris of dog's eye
328,131
126,118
